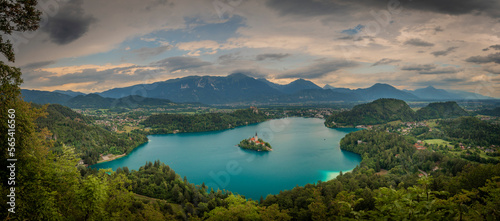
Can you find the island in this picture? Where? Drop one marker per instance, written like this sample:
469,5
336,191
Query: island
256,144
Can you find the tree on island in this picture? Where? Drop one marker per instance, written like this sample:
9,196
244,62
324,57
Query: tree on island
255,143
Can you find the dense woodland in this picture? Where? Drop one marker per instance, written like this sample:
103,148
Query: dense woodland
70,128
386,110
170,123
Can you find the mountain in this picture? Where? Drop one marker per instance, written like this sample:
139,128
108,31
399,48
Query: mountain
96,101
379,90
204,89
44,97
431,93
317,95
376,112
465,95
271,84
70,93
298,85
327,86
437,110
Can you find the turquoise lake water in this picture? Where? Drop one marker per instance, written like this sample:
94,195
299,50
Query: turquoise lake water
304,151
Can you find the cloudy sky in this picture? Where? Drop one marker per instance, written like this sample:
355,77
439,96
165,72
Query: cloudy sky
94,45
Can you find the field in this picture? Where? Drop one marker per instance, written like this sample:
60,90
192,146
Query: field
438,142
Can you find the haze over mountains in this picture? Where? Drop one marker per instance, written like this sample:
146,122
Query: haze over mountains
239,88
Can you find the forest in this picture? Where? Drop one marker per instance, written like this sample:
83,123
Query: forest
170,123
70,128
386,110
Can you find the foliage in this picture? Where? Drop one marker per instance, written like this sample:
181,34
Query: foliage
250,145
437,110
168,123
16,16
73,129
376,112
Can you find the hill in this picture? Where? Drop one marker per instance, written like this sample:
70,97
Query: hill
437,110
69,92
490,112
376,112
73,129
44,97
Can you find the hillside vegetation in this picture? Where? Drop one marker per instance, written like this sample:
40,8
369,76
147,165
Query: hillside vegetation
73,129
386,110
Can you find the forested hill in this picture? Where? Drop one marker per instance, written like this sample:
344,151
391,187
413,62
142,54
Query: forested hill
441,110
73,129
170,123
386,110
376,112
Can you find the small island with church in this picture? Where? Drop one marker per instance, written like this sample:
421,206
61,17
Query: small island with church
256,144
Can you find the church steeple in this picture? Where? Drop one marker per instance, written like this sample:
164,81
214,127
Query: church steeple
256,137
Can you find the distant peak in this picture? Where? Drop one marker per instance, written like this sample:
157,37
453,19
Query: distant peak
430,87
239,75
378,85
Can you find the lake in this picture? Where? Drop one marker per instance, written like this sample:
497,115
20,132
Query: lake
304,151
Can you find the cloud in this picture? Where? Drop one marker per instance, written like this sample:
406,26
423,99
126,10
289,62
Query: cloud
384,61
69,24
146,52
457,7
275,57
419,67
418,42
485,59
444,70
495,47
305,8
445,52
181,63
318,69
37,65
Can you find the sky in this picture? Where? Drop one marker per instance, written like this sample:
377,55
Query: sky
94,45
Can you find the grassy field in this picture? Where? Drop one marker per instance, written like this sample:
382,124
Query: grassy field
438,142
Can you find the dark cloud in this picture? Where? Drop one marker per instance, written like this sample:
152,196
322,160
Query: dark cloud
495,47
445,52
181,63
37,65
384,61
330,7
228,58
418,42
485,59
307,8
457,7
444,70
318,69
419,67
438,29
275,57
148,52
69,24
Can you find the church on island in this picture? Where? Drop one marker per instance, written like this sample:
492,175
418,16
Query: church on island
254,143
255,139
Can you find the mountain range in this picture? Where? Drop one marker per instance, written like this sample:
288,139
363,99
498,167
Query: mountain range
242,89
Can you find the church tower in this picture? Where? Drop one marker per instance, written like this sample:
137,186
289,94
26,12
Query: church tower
256,137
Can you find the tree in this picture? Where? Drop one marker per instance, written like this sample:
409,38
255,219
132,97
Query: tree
17,15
